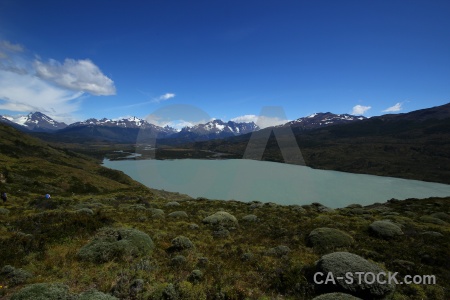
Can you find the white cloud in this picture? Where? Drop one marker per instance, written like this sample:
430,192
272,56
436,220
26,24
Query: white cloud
177,124
10,47
164,97
396,107
167,96
77,75
360,109
55,89
25,93
261,121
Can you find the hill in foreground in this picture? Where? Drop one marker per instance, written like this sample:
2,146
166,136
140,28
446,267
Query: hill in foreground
104,236
134,246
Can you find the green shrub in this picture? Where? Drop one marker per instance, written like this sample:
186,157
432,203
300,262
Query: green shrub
221,218
250,218
86,211
441,215
278,251
181,243
15,276
432,220
178,214
325,239
336,296
111,243
178,260
195,276
95,295
385,229
341,263
43,291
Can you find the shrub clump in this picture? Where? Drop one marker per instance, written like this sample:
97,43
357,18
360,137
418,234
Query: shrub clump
195,276
111,243
336,296
193,226
278,251
43,291
15,276
202,262
432,234
172,203
178,260
178,214
221,218
157,213
181,243
85,211
385,229
95,295
220,232
441,215
250,218
432,220
341,263
325,238
4,211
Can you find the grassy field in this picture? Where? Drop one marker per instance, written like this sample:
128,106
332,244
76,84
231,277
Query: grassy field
44,237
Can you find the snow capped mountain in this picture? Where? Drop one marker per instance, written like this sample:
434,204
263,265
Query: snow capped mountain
219,127
317,120
35,121
131,122
215,129
127,129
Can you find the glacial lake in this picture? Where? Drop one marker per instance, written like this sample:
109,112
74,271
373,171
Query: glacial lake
247,180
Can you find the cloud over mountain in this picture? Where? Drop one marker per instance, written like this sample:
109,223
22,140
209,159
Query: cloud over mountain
76,75
360,109
261,121
54,88
396,107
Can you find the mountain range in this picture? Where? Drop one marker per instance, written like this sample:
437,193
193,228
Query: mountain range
414,145
128,130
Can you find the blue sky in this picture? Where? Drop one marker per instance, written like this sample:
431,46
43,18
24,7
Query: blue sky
78,59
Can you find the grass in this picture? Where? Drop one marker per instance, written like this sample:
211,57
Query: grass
57,235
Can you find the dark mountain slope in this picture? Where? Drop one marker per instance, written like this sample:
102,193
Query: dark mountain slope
415,145
30,165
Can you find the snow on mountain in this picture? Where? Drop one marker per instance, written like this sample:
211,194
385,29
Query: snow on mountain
35,121
220,127
131,122
317,120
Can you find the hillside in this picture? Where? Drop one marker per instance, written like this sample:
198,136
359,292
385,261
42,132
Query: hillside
413,146
29,165
104,236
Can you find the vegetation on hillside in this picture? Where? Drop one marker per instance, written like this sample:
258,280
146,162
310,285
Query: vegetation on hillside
271,255
104,236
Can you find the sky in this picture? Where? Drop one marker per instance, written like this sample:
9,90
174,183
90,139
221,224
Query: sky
74,60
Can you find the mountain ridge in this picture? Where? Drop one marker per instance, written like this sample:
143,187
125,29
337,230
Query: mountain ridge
126,129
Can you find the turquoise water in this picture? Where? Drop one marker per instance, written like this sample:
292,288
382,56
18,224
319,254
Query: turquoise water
248,180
